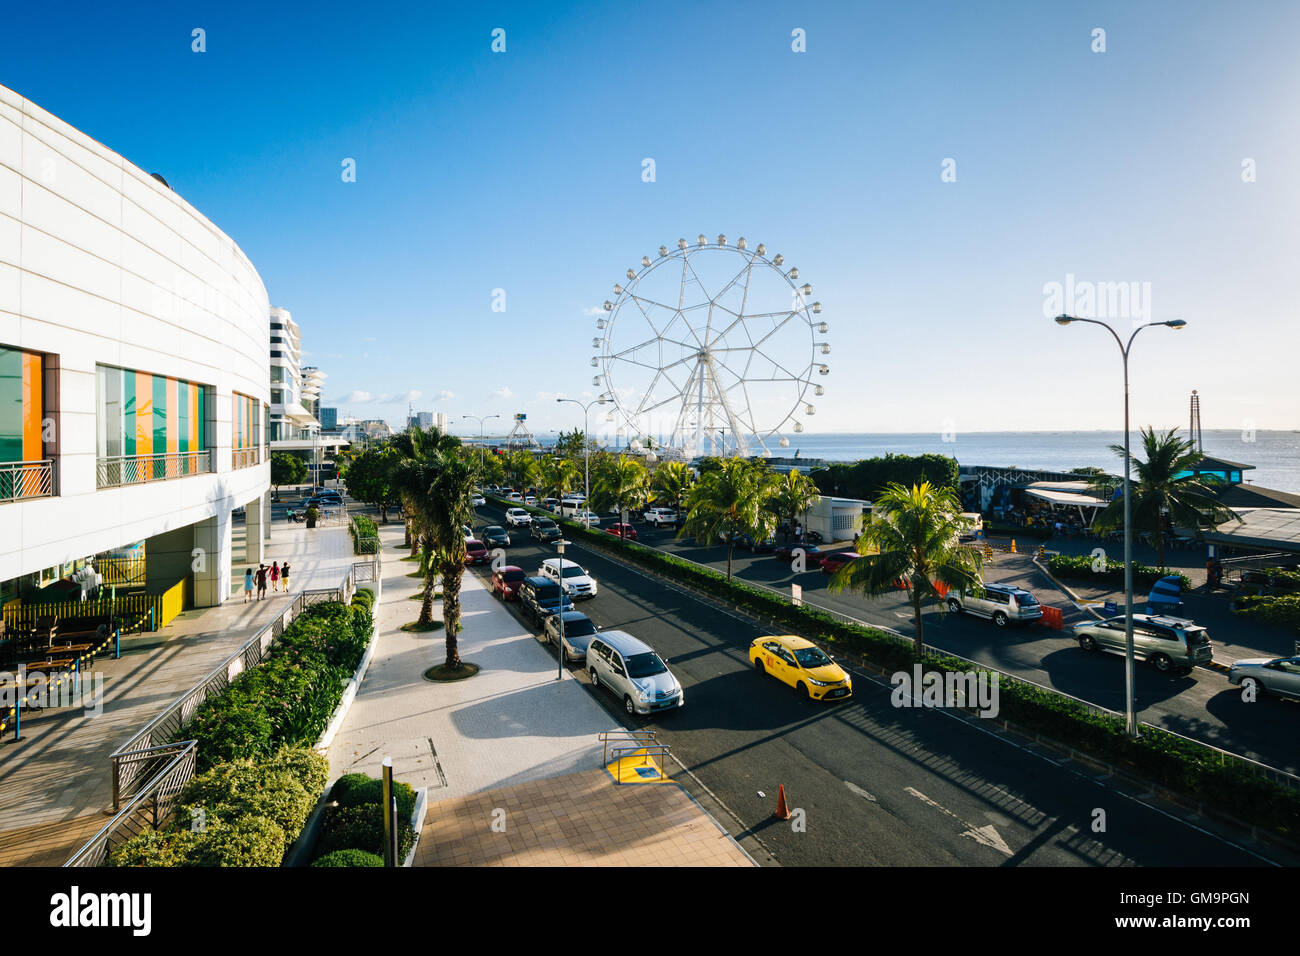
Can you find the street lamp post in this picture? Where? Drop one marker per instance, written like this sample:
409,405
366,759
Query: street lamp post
482,445
1130,710
559,613
586,447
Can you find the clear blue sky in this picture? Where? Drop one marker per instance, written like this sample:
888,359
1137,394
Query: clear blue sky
522,171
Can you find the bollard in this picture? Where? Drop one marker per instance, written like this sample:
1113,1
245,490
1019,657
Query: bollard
117,642
18,710
390,814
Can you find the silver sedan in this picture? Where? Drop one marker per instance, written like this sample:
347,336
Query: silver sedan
1276,675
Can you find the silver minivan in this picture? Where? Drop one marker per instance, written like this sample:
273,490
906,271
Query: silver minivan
630,669
1000,603
1167,642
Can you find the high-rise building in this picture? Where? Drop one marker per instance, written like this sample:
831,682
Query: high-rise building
289,419
329,419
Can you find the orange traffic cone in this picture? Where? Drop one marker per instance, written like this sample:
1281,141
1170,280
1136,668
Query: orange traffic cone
1013,545
782,811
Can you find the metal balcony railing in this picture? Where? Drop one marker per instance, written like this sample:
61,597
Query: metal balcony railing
20,480
138,469
246,457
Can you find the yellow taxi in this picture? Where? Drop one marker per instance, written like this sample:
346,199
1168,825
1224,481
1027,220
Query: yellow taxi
801,664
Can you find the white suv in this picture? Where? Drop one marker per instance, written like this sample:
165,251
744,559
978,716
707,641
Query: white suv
659,517
1001,603
630,669
576,582
518,518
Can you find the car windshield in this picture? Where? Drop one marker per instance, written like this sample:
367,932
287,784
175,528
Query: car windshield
545,523
579,628
811,657
645,665
512,575
1025,599
549,592
574,571
494,529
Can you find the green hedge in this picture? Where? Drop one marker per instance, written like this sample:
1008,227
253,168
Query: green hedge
1080,569
1178,764
289,698
350,858
1283,610
365,535
251,814
354,820
867,478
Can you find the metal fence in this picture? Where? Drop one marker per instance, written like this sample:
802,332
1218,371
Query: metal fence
245,457
26,479
166,769
137,469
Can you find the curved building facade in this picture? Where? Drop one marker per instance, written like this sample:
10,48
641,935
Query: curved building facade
134,369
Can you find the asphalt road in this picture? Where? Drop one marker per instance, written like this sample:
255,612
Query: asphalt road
877,785
1201,705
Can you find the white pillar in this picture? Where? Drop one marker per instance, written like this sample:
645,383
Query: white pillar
253,530
212,583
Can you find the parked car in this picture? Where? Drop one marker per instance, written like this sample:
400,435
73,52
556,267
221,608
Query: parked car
577,582
1279,676
515,496
801,664
588,519
621,530
630,669
518,518
506,582
326,499
477,500
541,597
495,536
544,529
578,632
1167,642
661,518
476,552
467,531
837,559
812,555
1003,604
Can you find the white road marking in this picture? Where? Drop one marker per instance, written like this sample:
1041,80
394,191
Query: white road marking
859,791
987,835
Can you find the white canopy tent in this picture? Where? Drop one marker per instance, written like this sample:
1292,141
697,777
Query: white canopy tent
1069,494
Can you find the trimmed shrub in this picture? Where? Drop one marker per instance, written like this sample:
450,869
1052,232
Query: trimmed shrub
155,848
232,792
350,858
252,841
1283,610
361,789
307,766
359,827
1112,572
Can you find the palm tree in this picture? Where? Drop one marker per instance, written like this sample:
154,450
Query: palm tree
621,483
912,536
672,482
415,480
521,467
727,502
1163,491
558,476
792,494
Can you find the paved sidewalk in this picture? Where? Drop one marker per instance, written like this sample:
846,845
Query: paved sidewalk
55,783
512,736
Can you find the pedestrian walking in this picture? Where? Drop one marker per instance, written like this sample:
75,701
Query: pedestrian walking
275,575
261,581
284,576
248,585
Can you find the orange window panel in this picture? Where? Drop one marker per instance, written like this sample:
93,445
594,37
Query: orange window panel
143,413
33,407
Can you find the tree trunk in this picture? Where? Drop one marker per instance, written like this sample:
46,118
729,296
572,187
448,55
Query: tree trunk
452,572
919,646
731,545
426,606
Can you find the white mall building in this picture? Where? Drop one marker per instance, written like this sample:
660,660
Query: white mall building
134,372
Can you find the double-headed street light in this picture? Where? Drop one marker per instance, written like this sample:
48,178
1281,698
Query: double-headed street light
482,445
586,446
1130,711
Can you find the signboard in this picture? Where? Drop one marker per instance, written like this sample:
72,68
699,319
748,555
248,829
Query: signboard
796,595
520,416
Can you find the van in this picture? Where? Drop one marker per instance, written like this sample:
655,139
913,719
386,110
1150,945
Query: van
630,669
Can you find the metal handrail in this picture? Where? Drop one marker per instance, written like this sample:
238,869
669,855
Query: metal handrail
642,737
20,480
245,457
114,472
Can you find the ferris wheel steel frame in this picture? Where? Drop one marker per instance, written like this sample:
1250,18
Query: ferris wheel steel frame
707,411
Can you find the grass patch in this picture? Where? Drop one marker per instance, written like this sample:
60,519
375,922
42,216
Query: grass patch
410,557
415,574
419,596
441,674
415,627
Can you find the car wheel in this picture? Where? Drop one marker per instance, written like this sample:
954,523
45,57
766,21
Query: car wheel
801,690
628,706
564,656
954,606
758,666
1255,686
1162,663
1000,619
1088,643
595,678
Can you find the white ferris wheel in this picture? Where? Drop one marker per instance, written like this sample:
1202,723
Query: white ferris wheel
714,344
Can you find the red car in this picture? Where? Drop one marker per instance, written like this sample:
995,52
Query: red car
837,559
506,582
622,530
476,552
